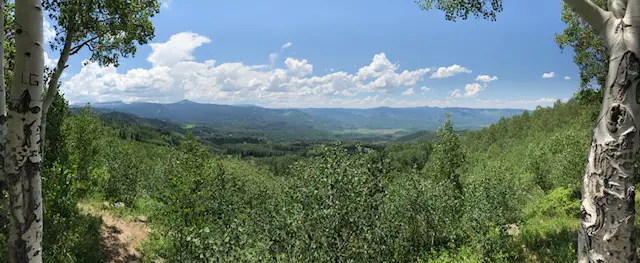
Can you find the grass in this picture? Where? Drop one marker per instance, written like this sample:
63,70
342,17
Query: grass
143,206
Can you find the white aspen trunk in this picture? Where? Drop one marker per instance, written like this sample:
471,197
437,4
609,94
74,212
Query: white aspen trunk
22,161
4,205
607,232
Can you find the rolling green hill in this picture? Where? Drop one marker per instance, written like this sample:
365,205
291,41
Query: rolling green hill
310,119
413,119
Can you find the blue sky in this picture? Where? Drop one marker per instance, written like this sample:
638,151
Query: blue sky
330,53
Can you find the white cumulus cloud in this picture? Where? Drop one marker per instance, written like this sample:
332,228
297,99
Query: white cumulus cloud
48,30
425,88
446,72
383,74
178,48
298,68
567,78
486,78
548,75
175,75
455,93
49,62
408,92
472,89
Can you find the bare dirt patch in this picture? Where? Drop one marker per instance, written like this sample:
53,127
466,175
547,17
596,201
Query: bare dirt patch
119,238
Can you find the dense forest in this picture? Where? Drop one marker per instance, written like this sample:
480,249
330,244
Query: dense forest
196,182
506,193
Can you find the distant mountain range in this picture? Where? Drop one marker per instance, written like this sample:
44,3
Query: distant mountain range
313,119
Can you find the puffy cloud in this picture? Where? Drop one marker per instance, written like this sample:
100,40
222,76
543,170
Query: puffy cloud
425,88
298,68
567,78
472,89
49,62
409,92
272,59
379,66
383,75
455,93
446,72
178,48
107,84
486,78
48,31
392,80
175,76
548,75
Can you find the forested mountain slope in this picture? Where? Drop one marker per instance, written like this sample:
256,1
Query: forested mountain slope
527,170
413,119
520,186
505,193
324,119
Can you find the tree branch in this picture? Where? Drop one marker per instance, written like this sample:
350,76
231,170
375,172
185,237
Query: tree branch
593,14
52,90
632,14
55,77
77,48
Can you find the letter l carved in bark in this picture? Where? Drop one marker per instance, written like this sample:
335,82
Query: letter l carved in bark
22,155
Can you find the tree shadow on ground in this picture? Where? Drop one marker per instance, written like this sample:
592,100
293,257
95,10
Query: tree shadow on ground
72,238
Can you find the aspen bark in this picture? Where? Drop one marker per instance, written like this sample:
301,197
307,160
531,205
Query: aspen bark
22,160
607,232
4,204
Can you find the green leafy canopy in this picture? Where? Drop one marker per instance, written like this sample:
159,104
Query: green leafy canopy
108,28
454,9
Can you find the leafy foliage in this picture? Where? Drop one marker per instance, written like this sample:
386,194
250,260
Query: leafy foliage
488,9
9,43
124,163
86,139
590,51
109,29
339,198
69,236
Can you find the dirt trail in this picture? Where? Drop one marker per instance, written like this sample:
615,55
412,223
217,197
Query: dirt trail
120,238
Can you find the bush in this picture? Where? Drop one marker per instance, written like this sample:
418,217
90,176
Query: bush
419,216
125,162
211,212
550,229
338,201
